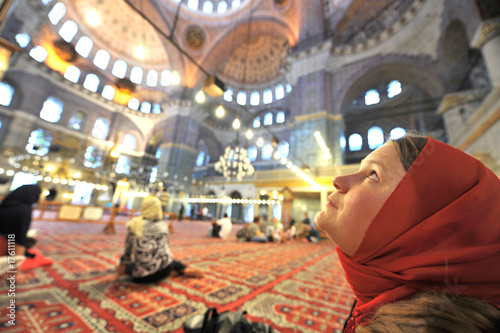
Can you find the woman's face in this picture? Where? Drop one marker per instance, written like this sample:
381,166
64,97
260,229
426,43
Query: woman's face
359,197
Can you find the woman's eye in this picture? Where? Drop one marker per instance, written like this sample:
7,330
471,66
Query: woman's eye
373,175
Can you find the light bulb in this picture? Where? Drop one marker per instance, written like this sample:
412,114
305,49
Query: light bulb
200,97
249,134
219,112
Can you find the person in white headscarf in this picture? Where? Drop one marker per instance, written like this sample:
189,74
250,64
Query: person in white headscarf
147,256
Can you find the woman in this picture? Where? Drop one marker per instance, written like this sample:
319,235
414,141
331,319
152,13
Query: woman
147,256
418,215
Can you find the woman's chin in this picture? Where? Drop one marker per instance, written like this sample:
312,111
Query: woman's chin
320,219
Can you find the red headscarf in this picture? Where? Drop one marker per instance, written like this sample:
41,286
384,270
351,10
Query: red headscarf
439,230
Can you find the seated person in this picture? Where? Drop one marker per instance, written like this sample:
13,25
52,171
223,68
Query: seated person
147,256
274,232
307,229
253,233
222,228
15,214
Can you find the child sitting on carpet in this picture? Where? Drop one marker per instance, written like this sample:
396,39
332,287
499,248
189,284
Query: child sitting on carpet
147,256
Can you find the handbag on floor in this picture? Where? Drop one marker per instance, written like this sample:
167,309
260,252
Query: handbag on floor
225,322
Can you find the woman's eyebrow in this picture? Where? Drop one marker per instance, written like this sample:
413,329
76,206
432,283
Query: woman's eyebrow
372,161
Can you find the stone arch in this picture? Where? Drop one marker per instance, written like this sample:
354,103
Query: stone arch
406,69
237,209
213,145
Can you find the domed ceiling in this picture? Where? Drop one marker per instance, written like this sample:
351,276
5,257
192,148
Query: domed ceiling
109,19
257,61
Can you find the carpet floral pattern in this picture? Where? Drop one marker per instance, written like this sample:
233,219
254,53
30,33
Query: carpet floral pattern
294,287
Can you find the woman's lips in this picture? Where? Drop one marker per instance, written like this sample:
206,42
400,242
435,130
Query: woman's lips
330,204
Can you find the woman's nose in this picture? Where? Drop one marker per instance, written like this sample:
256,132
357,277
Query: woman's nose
341,183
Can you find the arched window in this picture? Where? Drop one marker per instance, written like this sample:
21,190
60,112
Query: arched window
119,69
84,46
23,39
200,160
165,78
123,165
146,107
134,103
235,4
39,142
101,59
72,74
267,96
68,30
355,142
372,97
241,98
154,174
193,4
397,133
156,108
92,157
76,121
284,148
136,74
101,128
91,82
38,53
51,110
228,95
342,142
375,137
252,153
267,152
288,88
394,89
129,141
256,122
222,7
268,119
208,7
254,98
6,94
280,117
152,78
279,92
108,92
158,152
57,12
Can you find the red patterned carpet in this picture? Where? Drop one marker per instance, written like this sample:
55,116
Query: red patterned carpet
294,287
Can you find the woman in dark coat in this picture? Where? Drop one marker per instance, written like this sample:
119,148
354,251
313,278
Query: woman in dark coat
15,216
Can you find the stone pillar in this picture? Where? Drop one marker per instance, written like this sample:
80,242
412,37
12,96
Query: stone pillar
286,207
487,38
178,155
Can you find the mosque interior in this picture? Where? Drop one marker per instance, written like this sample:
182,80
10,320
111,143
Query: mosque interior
244,106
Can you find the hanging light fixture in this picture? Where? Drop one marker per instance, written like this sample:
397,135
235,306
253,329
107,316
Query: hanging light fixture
234,163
